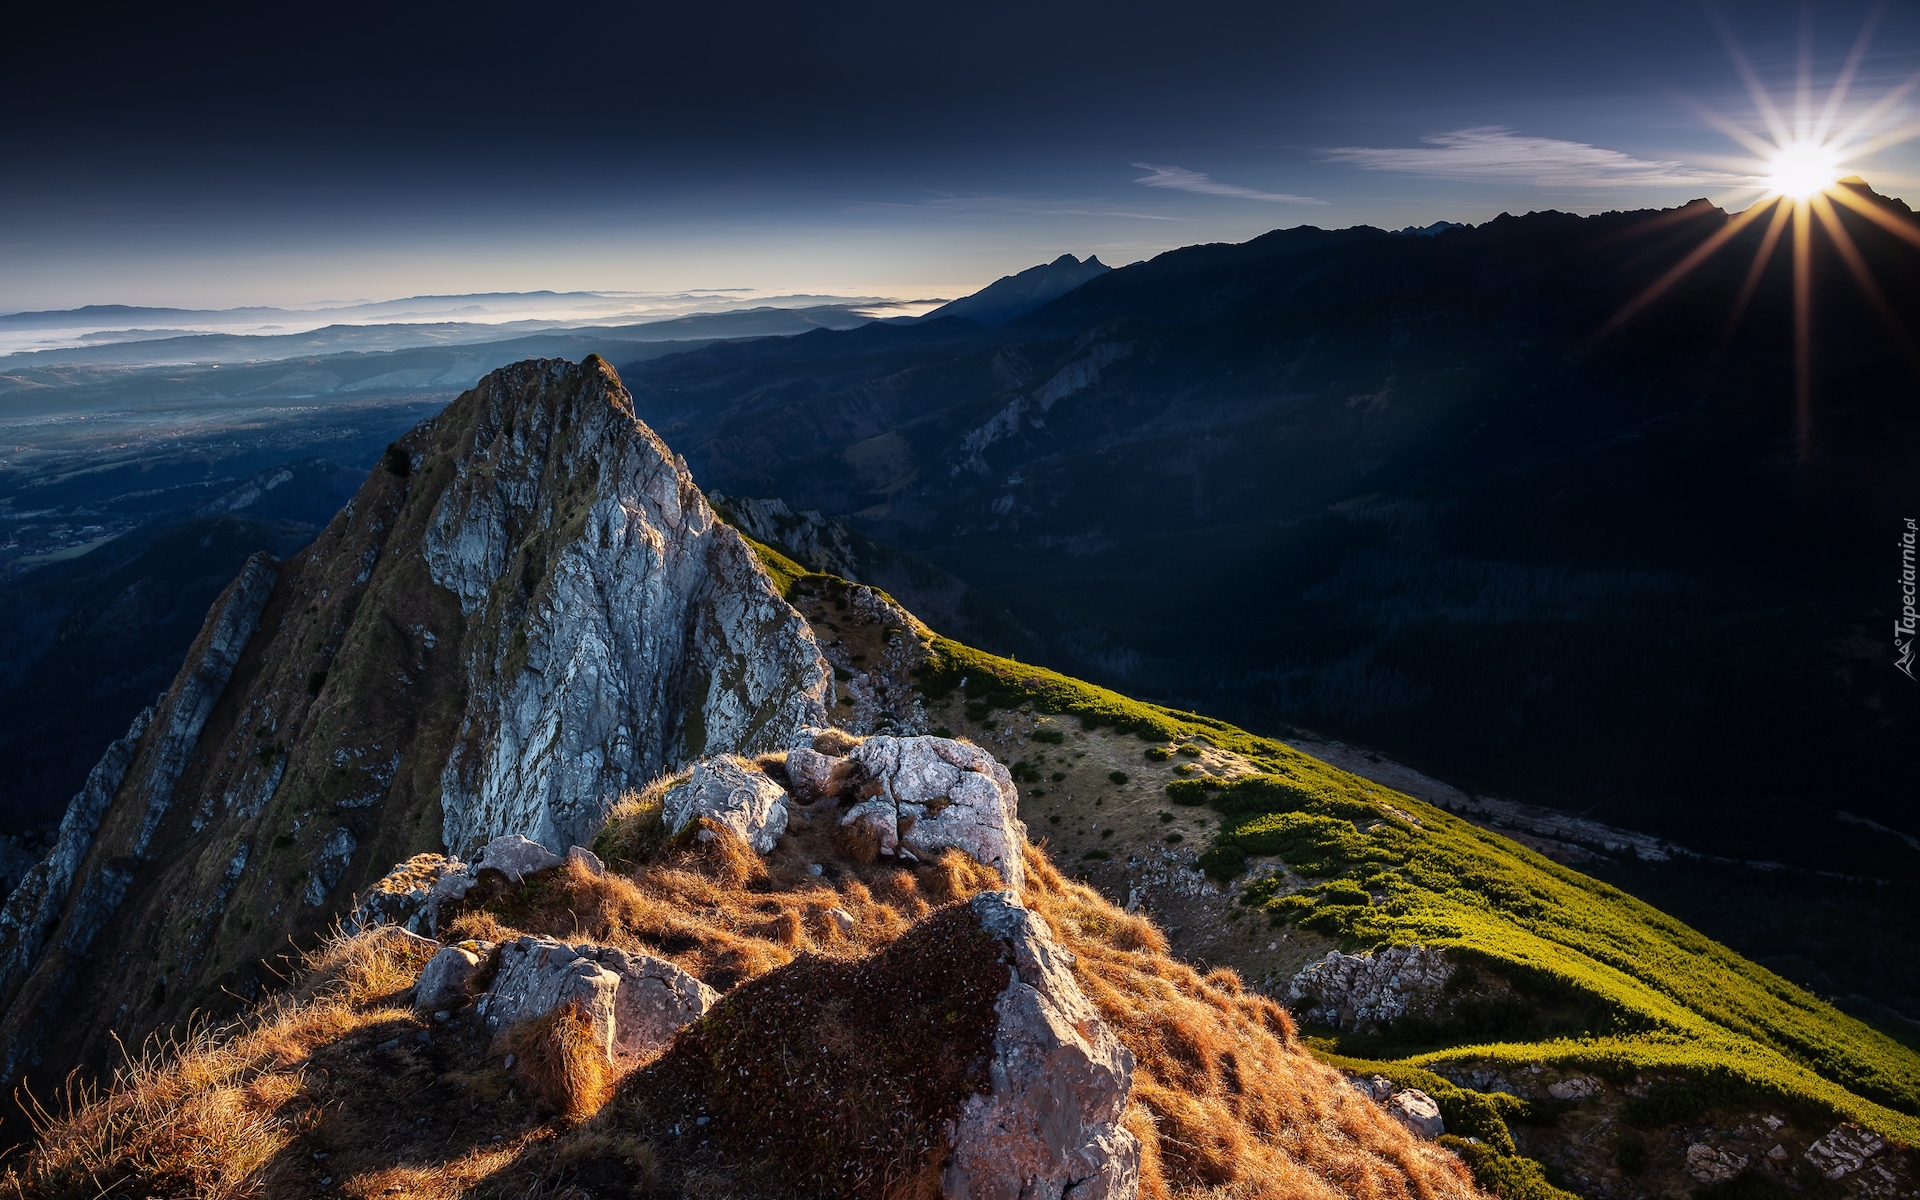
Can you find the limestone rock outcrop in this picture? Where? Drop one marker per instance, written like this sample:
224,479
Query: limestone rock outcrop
651,638
884,693
452,976
635,1002
655,1000
515,857
1843,1150
736,794
1418,1112
410,894
1363,993
538,975
1050,1125
413,894
925,794
528,610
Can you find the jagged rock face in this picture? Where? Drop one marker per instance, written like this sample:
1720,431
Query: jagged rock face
1050,1126
1369,992
885,698
649,638
527,609
809,537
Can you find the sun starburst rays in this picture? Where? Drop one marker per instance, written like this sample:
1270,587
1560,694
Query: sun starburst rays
1799,170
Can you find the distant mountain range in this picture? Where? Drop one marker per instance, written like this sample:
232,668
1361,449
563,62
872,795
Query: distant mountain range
1397,489
191,347
1013,296
162,335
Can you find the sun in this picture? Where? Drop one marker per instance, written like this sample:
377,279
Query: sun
1803,168
1800,177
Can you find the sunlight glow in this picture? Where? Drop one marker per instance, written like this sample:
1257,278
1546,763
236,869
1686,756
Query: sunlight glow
1801,169
1800,172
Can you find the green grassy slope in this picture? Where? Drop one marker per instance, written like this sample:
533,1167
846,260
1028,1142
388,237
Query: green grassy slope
1653,995
1674,999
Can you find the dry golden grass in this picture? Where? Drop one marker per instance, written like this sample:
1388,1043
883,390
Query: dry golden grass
1225,1103
559,1061
203,1115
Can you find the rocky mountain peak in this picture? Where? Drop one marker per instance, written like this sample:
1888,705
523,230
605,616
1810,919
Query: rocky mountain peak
1013,296
527,610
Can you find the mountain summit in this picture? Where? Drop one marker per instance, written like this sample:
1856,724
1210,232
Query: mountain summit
1013,296
527,610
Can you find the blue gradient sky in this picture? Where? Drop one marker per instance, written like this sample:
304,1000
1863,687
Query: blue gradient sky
850,148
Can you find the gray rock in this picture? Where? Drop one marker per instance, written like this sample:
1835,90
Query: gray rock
35,902
655,1001
1418,1112
538,975
636,1002
1060,1079
1708,1164
885,694
1844,1150
1365,992
330,864
1574,1087
154,752
736,794
449,978
810,773
411,894
938,793
841,918
819,542
587,859
1377,1088
515,857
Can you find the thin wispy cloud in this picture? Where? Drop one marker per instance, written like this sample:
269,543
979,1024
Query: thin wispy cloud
1182,180
1502,153
1033,206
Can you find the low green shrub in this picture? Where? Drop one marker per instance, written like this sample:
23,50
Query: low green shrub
1158,754
1342,891
1668,1102
1052,737
1222,863
1192,792
1309,843
1506,1175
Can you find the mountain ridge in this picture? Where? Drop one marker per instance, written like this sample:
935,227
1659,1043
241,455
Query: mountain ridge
1414,444
1012,296
290,793
484,572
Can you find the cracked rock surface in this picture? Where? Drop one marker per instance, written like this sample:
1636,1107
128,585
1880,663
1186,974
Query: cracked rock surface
1050,1126
528,610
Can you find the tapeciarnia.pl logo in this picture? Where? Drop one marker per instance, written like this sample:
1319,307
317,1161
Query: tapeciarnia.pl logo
1903,625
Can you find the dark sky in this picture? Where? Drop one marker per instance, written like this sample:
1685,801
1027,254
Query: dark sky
300,155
